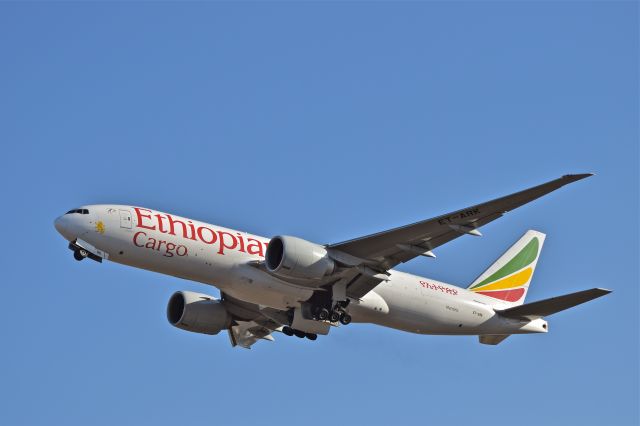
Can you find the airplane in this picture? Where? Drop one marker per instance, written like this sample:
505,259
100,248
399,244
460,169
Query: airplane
300,288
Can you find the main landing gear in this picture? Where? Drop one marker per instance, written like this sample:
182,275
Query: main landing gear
301,334
338,314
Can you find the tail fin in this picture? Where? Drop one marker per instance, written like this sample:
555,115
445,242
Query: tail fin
507,280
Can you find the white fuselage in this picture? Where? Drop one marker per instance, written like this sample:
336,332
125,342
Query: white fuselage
218,256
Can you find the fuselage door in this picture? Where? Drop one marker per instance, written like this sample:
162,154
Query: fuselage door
125,219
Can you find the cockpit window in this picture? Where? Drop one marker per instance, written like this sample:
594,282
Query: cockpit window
80,211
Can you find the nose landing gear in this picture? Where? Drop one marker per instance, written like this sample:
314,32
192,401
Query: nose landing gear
82,250
80,254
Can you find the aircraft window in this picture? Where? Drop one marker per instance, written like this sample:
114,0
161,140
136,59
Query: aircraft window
81,211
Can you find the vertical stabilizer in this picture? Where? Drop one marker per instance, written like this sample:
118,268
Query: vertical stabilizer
508,279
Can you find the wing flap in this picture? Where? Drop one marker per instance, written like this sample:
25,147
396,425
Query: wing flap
246,333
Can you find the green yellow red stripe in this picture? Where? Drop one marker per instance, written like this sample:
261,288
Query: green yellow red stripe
512,295
516,280
524,258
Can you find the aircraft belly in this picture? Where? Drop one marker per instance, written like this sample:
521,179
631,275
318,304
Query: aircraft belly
256,286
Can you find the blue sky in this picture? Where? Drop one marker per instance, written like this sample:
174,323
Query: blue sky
326,121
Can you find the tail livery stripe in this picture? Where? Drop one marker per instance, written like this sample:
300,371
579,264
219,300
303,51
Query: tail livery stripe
526,256
506,295
513,281
508,278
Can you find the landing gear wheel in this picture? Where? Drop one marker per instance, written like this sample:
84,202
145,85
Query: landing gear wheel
312,336
80,254
300,334
345,318
335,316
287,330
323,314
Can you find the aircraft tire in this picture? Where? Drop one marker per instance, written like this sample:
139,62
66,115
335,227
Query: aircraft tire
345,319
323,315
287,330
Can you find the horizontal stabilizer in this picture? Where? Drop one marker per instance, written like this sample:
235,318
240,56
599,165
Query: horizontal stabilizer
546,307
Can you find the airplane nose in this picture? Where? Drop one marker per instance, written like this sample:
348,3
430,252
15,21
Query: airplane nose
63,226
58,224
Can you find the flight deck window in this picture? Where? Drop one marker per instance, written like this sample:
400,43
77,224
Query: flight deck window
81,211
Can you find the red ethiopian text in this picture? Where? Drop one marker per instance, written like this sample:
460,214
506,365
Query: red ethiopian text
166,224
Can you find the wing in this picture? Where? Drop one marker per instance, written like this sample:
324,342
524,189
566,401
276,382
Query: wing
383,250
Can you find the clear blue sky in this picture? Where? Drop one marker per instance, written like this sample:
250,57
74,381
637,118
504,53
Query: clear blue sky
325,121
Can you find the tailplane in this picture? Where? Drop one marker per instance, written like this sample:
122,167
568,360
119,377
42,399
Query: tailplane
542,308
546,307
508,279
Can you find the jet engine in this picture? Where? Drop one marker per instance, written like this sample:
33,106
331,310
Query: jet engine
292,257
197,312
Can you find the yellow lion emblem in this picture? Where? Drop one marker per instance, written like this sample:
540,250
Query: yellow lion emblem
100,227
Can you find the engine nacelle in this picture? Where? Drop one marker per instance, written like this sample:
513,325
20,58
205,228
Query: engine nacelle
297,258
197,312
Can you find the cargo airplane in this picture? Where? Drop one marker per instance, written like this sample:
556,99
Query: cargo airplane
300,288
